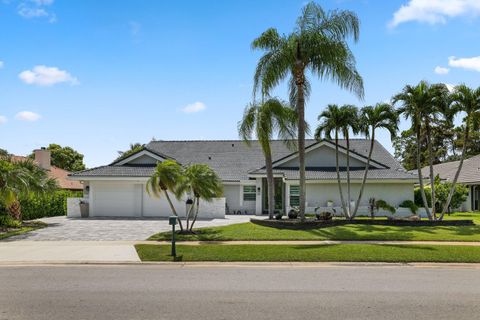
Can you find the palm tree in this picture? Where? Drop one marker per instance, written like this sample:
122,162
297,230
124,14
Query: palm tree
265,120
350,122
332,120
467,100
422,104
318,45
203,183
134,148
166,178
21,177
380,116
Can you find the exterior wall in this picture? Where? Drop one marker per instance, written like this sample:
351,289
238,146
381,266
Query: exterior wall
73,207
324,156
319,193
233,194
144,159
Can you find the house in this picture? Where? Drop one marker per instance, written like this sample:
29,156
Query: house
43,160
469,176
118,189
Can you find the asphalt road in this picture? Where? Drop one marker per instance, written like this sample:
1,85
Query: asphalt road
194,292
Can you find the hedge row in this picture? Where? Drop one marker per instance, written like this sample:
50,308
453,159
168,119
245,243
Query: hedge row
46,205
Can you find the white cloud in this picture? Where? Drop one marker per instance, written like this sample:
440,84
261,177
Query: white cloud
434,11
36,9
465,63
46,76
3,119
441,70
194,107
27,116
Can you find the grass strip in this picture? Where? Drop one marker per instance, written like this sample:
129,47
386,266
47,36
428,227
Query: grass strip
312,253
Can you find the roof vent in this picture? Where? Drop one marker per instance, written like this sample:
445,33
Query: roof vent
233,144
209,158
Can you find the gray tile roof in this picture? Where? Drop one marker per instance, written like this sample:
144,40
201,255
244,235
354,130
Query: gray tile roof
470,173
373,174
233,160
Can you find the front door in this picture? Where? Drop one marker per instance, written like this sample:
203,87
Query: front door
279,190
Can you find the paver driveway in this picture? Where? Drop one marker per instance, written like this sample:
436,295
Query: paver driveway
110,229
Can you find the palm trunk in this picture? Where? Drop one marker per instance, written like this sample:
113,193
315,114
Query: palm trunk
348,176
420,177
344,208
196,213
270,184
15,210
173,209
457,174
365,173
430,162
301,142
189,213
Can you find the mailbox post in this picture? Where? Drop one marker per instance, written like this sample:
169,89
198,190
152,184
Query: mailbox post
172,220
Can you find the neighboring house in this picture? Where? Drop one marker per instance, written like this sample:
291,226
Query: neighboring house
43,160
469,176
118,189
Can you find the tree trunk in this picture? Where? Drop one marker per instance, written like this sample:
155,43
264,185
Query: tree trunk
420,176
457,174
344,208
365,173
173,209
300,81
15,210
188,215
349,208
430,162
196,213
270,184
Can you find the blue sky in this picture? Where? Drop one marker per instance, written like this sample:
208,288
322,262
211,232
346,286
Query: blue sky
98,75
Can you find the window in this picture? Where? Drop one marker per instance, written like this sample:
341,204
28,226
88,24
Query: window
294,196
249,193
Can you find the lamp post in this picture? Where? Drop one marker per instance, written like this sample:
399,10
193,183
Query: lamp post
172,220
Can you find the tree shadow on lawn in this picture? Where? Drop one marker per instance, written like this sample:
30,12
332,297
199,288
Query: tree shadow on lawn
367,232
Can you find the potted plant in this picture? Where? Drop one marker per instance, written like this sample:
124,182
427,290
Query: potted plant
278,215
293,213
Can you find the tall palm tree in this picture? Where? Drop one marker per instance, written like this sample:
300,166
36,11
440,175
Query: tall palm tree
350,123
21,177
332,120
165,179
264,120
134,148
317,45
422,104
380,116
203,183
466,100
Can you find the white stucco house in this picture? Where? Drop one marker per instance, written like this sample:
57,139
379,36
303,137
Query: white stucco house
118,189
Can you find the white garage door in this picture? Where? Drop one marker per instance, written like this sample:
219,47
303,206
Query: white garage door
116,199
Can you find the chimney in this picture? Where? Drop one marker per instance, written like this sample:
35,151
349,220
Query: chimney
42,158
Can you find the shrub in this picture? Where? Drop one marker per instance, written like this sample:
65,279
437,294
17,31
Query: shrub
381,204
325,215
8,222
35,206
441,192
409,204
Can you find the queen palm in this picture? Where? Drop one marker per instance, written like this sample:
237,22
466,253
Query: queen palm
422,104
264,120
165,179
380,116
466,100
18,178
332,120
203,183
317,45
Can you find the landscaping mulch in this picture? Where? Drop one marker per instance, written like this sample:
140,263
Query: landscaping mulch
314,223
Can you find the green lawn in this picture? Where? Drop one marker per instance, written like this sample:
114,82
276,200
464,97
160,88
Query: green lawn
27,227
250,231
312,253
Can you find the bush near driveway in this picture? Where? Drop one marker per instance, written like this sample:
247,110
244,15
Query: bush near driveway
46,205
